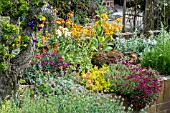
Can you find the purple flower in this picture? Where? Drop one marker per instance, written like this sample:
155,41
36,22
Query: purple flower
39,28
32,23
54,54
43,62
35,41
59,57
60,61
66,65
41,22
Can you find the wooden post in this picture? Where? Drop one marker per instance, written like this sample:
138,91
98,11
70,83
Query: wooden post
124,15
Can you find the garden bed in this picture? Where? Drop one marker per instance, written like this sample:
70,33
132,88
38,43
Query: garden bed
163,103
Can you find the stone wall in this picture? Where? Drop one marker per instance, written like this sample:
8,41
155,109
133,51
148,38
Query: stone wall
163,103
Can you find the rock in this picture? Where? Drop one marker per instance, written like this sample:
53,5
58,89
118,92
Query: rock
101,58
113,56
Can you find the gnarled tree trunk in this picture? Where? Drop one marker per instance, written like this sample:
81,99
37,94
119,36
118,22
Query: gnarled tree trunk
9,80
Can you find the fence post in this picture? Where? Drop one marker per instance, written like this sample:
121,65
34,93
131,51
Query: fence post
124,15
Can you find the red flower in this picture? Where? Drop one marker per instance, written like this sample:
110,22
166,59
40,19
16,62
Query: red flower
75,89
55,45
54,51
39,56
119,85
48,47
44,50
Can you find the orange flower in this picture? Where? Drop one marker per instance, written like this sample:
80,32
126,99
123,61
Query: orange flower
55,45
56,11
34,57
44,50
118,20
46,23
62,21
58,22
60,67
54,51
48,47
70,14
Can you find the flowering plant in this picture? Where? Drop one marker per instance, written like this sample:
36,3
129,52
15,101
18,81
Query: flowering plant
139,84
94,80
45,63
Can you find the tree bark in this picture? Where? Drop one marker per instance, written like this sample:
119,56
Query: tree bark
9,80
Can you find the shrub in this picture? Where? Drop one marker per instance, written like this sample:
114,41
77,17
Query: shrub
45,63
137,44
140,85
158,57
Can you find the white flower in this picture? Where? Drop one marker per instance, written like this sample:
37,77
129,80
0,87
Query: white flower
122,41
152,42
67,34
59,33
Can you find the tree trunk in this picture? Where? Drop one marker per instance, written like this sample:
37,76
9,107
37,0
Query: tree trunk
9,80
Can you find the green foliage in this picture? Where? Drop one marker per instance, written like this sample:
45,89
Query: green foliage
158,57
80,9
72,51
16,9
136,44
8,30
84,102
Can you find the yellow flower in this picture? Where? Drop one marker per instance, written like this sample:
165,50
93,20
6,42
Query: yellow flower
48,35
17,45
104,16
13,45
96,24
114,23
107,31
62,21
43,18
55,10
41,25
118,20
70,14
68,22
19,37
58,22
44,38
120,27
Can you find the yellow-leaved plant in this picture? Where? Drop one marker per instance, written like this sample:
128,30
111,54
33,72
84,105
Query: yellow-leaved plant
95,81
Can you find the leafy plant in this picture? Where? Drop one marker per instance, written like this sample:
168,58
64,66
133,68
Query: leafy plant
158,57
136,44
70,102
44,64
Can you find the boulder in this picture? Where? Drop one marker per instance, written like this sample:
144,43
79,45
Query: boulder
112,57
